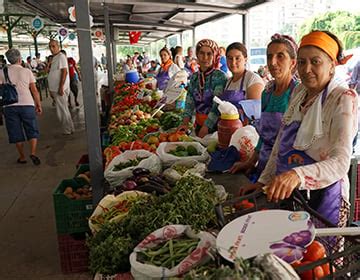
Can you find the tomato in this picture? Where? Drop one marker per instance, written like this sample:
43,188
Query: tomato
315,273
315,251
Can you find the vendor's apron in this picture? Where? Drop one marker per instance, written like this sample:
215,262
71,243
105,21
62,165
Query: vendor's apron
234,96
203,103
268,129
326,201
162,79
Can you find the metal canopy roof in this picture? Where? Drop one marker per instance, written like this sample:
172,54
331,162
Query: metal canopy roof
156,19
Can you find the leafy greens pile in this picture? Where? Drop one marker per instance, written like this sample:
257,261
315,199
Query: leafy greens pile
190,202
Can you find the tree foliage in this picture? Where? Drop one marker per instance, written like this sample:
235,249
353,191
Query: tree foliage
122,51
343,24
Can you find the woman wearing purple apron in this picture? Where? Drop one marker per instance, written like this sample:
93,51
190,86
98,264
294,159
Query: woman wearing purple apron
203,86
281,53
313,149
167,70
244,84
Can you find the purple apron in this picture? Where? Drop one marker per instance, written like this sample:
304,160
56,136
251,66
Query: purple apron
203,99
162,79
268,129
326,201
234,96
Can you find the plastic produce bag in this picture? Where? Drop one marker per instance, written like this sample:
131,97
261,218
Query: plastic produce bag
207,139
174,87
225,107
108,202
115,178
168,159
172,175
197,257
245,140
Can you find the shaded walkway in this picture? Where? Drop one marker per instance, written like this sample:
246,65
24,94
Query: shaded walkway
28,243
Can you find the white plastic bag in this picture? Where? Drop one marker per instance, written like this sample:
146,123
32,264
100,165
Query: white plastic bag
168,159
115,178
173,89
245,140
109,201
207,139
195,167
197,257
225,107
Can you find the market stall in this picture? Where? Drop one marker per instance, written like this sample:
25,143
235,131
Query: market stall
165,215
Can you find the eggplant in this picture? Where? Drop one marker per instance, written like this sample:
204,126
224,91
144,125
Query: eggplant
140,171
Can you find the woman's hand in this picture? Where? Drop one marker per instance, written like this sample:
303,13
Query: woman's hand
250,188
282,186
204,130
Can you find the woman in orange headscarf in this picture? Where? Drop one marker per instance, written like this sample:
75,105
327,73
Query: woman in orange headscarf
167,70
313,149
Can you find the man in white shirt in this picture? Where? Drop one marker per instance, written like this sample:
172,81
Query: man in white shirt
59,86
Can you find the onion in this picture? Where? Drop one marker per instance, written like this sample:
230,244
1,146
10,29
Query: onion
129,185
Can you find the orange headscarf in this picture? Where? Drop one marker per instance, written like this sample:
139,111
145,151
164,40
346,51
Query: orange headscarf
165,66
324,42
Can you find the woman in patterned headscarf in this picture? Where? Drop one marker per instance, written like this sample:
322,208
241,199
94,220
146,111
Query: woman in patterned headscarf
203,86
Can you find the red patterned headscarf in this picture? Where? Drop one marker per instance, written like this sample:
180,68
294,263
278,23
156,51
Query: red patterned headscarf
216,60
213,46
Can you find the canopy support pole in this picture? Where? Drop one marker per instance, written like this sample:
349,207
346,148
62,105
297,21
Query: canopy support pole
109,59
89,97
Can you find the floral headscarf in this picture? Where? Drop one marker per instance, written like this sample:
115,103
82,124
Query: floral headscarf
216,59
213,46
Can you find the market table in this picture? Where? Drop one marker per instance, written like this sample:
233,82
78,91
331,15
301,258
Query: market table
231,182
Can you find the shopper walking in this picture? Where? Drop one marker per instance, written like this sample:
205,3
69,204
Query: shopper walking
20,117
59,86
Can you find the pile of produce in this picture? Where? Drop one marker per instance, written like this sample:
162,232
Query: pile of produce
170,120
129,163
78,194
181,151
129,133
190,202
143,180
243,269
169,254
112,209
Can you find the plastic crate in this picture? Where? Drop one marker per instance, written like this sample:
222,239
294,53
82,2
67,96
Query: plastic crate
81,169
74,254
71,215
343,254
357,192
357,210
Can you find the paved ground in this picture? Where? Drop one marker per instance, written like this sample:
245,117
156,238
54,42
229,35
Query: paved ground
28,239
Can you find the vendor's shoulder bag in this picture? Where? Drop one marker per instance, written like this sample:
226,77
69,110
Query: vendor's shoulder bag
8,93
